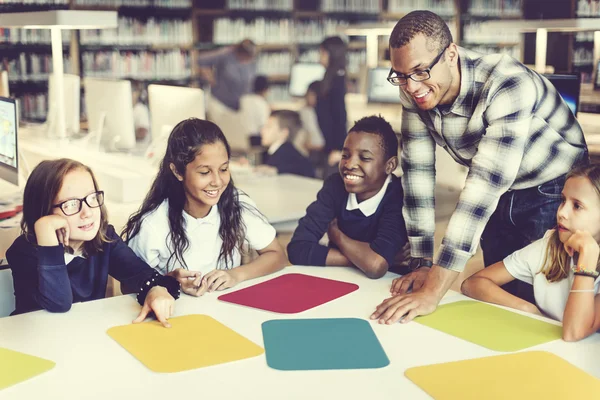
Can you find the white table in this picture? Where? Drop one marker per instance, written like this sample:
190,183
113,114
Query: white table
90,365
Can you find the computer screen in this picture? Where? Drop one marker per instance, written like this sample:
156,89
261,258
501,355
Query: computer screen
569,87
109,106
9,158
379,90
302,75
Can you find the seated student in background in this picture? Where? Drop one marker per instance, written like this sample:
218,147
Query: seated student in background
255,109
562,266
314,141
278,135
141,112
194,218
68,249
360,208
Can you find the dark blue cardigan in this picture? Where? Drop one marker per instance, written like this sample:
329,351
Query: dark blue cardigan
43,281
288,160
384,230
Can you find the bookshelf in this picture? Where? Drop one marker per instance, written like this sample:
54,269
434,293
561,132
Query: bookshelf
158,40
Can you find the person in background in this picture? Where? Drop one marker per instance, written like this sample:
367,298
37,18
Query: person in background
562,266
278,135
331,105
255,109
314,141
68,249
141,112
230,72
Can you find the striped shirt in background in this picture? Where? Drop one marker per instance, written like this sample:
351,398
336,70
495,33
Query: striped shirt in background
508,125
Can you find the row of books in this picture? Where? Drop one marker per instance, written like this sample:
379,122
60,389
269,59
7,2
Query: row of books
278,5
165,65
33,106
135,31
32,67
496,8
356,6
583,56
29,36
475,32
34,3
135,3
440,7
588,8
261,30
355,59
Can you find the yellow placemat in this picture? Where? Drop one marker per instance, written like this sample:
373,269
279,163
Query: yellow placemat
16,367
491,327
520,376
193,341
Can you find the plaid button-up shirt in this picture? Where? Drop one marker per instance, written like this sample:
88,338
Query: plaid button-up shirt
508,125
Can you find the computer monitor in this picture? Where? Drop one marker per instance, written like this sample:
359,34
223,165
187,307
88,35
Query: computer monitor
9,156
169,105
302,75
569,87
109,105
379,90
72,93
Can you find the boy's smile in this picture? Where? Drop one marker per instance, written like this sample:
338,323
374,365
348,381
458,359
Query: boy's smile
363,166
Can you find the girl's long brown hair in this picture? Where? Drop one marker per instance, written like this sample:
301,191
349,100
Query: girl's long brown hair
39,197
556,264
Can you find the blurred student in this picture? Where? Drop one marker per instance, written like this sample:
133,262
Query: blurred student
255,109
278,136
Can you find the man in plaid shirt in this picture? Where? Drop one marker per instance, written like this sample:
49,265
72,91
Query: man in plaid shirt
506,123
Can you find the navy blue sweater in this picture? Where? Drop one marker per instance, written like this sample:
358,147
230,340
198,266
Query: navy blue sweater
384,230
331,114
43,281
288,160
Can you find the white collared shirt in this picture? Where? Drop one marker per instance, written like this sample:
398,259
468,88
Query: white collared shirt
369,206
152,243
275,146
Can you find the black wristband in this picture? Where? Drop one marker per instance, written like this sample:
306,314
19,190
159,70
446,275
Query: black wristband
168,282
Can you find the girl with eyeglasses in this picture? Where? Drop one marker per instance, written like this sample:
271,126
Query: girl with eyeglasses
68,249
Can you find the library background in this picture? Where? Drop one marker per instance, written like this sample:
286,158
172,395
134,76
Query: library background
156,41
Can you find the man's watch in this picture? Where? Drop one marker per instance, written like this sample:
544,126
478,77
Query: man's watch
417,263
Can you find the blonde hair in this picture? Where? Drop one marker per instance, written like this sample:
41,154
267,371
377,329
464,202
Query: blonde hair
556,261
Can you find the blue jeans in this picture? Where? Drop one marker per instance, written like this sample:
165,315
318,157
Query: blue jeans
522,217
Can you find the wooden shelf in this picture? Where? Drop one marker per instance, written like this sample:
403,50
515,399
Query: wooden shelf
198,12
135,47
278,77
488,44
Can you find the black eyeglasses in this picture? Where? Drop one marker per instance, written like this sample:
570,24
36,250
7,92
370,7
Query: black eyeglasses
419,76
73,206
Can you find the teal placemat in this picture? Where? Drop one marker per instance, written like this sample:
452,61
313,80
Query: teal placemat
316,344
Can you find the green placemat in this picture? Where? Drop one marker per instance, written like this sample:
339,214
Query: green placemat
16,367
318,344
491,327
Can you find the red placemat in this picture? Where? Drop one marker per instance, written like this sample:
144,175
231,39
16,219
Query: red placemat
291,293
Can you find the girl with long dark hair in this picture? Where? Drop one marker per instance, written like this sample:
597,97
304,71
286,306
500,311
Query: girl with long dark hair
194,224
331,106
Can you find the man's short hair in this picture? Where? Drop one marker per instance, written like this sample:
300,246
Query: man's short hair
289,120
429,24
377,125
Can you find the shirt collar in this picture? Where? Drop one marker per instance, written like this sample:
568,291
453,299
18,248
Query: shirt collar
463,104
275,146
369,206
210,219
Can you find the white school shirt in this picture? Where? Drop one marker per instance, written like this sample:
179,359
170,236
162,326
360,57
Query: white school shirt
255,112
526,264
310,123
369,206
152,244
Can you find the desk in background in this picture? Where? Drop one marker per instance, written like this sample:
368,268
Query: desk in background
90,365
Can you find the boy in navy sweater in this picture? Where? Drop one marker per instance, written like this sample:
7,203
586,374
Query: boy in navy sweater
277,135
360,208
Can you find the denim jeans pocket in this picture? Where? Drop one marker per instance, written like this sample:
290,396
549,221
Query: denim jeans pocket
553,188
